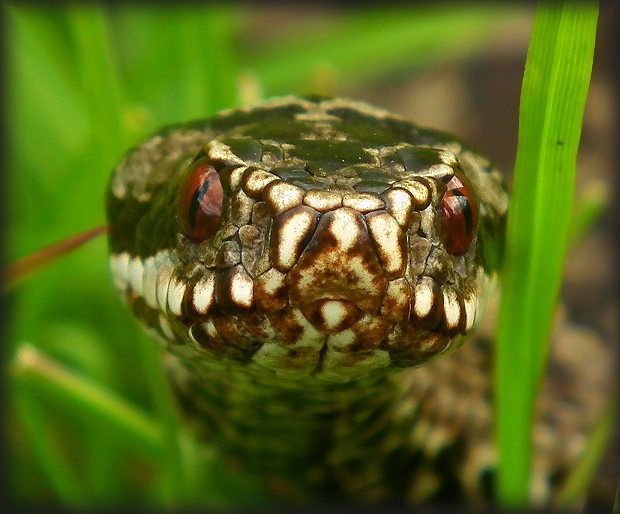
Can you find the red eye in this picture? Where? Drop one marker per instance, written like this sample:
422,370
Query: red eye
459,215
199,201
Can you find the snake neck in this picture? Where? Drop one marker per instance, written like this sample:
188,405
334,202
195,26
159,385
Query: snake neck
304,438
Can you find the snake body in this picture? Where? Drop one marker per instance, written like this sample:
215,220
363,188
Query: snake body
304,263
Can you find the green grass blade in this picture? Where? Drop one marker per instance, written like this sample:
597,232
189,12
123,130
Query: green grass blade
577,483
191,65
43,104
173,482
63,479
555,86
99,80
33,370
202,73
589,208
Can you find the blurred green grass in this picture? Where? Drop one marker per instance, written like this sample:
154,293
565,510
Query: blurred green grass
555,86
85,82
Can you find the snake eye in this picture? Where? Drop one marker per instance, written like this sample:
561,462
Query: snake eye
458,215
199,201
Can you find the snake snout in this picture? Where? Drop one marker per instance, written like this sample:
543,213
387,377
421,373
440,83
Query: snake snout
340,275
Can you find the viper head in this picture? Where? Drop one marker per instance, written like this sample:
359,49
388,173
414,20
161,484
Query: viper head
325,239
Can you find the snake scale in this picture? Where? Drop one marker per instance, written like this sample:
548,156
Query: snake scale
309,267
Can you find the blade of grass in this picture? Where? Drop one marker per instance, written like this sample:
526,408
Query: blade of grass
41,90
63,479
173,484
193,62
555,86
209,33
589,208
577,482
45,376
100,92
100,82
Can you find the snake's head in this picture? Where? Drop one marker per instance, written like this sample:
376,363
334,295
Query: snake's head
327,239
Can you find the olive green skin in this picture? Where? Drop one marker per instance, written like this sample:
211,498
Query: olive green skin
321,413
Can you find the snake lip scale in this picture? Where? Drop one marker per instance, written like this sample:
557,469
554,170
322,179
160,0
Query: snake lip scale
293,258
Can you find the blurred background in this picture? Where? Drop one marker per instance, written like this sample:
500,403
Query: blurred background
85,82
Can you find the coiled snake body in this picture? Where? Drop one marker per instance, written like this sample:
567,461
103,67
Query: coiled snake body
293,259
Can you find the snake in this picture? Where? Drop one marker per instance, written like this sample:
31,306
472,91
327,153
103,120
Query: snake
315,271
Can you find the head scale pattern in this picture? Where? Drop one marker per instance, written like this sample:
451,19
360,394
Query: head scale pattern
341,238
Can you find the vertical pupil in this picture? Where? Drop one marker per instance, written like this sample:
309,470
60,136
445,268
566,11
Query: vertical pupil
196,201
199,201
465,207
459,215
